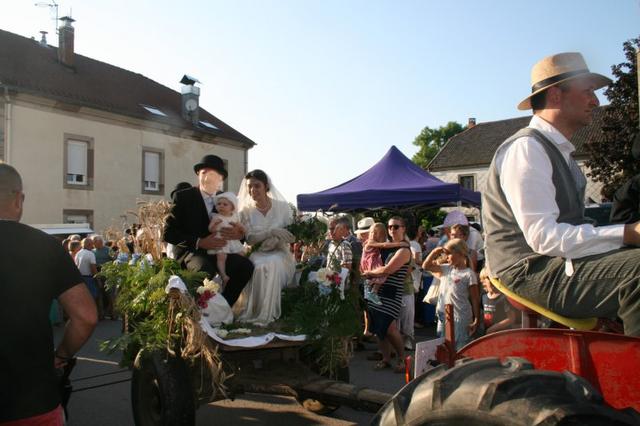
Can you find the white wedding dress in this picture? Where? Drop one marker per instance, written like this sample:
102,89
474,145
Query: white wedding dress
259,302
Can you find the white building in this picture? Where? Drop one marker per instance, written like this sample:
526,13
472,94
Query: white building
91,139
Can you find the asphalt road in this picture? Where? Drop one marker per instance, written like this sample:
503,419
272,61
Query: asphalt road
111,405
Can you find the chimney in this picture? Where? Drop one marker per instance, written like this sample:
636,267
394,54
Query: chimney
190,99
472,122
43,39
65,41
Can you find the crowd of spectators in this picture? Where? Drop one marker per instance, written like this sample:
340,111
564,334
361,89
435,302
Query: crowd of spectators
343,248
90,254
479,305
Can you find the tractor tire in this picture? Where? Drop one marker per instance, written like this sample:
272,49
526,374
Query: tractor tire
486,392
161,391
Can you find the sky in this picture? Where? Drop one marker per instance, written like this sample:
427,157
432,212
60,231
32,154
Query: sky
325,88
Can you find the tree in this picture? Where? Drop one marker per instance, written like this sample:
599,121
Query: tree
431,142
610,158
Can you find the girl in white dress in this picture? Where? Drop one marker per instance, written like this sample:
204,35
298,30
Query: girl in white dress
227,215
265,214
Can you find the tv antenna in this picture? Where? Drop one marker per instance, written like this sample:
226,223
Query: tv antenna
53,6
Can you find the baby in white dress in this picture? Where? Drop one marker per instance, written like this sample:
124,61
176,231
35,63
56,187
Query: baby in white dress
227,206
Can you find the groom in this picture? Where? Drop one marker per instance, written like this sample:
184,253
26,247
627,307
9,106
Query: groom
187,229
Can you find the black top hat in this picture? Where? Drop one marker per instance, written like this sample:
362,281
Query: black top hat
179,187
212,162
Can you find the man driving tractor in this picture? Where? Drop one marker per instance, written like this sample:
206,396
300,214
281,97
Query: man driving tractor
539,243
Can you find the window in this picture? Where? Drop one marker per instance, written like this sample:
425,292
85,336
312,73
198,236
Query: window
152,171
467,182
153,110
77,216
78,162
209,125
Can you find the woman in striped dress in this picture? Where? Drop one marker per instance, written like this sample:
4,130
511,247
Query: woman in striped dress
383,317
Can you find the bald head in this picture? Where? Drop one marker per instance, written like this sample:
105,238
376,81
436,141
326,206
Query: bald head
11,195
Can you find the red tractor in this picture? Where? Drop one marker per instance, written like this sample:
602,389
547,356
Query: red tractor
530,376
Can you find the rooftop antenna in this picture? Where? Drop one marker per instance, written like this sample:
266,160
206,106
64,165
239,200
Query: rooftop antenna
52,6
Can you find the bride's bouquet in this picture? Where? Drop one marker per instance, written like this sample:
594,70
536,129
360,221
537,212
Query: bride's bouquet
206,291
214,307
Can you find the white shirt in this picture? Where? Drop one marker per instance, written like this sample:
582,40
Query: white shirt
475,242
209,202
525,178
84,259
416,274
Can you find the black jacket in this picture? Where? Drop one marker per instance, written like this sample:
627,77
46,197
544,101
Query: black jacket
189,220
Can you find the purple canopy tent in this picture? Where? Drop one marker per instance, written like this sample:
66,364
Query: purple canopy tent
393,182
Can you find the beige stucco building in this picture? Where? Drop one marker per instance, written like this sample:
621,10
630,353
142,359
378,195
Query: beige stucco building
91,139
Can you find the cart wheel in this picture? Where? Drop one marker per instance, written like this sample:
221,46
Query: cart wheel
161,392
485,392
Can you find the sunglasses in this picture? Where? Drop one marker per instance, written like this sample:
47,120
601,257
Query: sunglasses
394,227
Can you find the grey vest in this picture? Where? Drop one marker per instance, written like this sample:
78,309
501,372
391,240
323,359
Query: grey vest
505,242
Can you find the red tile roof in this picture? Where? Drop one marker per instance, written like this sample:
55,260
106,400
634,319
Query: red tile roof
26,66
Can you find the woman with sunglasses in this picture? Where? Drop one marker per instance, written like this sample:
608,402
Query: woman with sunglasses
383,317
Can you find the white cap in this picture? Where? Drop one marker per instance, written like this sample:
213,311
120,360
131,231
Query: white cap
455,217
228,196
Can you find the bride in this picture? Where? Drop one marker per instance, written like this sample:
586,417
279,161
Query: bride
265,213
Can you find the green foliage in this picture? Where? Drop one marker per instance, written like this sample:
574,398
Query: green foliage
142,299
328,322
310,230
610,158
430,141
431,218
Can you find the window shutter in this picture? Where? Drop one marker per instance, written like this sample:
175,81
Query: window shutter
77,157
152,167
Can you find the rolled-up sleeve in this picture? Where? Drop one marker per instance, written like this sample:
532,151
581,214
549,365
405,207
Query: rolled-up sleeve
526,180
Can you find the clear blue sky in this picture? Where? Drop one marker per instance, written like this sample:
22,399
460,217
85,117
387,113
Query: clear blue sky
326,87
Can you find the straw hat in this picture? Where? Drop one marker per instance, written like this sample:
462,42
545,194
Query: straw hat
559,68
364,224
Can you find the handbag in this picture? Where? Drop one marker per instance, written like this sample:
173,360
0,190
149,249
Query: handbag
432,294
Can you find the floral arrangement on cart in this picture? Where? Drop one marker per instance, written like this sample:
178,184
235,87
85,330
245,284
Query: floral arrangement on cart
322,306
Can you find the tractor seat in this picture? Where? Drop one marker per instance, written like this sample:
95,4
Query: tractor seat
524,304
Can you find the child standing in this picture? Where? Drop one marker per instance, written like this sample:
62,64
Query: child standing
372,259
458,287
498,313
226,205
